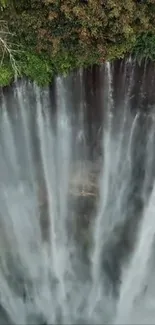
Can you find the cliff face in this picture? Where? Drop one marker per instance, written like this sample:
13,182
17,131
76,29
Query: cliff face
54,36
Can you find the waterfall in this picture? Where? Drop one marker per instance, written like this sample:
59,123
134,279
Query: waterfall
77,198
135,281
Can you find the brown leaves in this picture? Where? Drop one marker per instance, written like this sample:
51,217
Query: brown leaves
55,45
84,35
47,2
52,15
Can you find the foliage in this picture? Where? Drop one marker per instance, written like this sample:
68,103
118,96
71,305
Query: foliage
6,75
59,35
144,48
3,4
36,68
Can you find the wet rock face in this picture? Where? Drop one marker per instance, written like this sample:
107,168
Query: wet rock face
83,194
50,131
82,200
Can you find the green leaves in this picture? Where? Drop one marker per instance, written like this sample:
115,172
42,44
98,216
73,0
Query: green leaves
3,4
144,48
37,68
6,75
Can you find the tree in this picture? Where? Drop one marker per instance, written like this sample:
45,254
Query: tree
6,47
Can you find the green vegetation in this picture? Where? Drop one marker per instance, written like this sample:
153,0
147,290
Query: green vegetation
144,48
47,37
6,75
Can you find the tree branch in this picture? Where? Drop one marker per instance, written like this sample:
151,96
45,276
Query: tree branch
6,47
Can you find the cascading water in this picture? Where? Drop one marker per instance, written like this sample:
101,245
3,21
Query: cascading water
77,199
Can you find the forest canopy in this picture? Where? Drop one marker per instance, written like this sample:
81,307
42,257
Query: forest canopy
47,37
